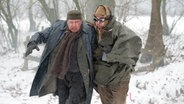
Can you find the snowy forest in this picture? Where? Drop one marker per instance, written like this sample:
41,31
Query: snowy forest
158,76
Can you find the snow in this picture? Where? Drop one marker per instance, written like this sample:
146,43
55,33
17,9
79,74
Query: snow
162,86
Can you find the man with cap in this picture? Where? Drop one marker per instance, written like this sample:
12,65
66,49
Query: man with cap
65,67
116,56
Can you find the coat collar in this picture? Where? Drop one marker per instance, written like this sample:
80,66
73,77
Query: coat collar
111,23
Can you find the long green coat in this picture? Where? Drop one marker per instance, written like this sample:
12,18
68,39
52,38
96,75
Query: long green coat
126,47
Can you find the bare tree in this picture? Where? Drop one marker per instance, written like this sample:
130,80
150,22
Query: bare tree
31,20
6,15
154,49
128,9
164,18
123,8
77,4
4,44
166,29
51,10
178,17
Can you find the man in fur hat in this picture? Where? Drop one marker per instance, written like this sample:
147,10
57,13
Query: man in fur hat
65,68
116,56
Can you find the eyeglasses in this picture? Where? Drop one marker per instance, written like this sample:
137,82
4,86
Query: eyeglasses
100,20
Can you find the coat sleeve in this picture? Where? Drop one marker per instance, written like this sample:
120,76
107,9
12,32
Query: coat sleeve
94,42
126,48
42,36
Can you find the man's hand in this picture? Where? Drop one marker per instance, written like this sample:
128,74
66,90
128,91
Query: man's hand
98,53
30,47
107,49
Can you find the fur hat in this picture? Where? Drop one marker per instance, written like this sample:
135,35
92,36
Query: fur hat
74,14
103,11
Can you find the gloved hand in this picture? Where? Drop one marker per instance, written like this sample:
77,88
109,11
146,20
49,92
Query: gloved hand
30,47
98,54
107,48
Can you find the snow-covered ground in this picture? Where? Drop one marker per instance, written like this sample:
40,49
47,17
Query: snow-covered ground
163,86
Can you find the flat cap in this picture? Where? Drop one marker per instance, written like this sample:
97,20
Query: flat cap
74,14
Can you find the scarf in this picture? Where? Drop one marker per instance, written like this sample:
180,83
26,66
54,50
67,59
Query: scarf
62,60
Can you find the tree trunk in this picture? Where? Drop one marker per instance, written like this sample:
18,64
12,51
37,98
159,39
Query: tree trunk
164,18
77,4
13,32
31,20
154,49
51,13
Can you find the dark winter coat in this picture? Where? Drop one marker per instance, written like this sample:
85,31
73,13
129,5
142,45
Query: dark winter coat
43,82
122,55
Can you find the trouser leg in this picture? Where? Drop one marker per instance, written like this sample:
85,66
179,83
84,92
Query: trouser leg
120,93
63,91
77,89
105,95
115,95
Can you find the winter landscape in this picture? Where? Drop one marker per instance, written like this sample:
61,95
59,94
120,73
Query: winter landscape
162,86
165,85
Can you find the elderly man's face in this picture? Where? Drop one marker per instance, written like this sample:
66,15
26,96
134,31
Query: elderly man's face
74,25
